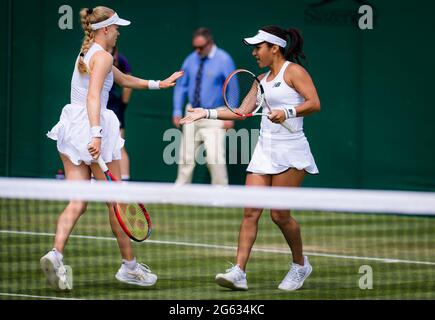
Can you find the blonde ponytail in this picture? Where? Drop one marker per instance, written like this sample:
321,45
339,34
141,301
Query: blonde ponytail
85,19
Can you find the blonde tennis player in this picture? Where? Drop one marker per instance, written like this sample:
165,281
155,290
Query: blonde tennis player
282,157
88,129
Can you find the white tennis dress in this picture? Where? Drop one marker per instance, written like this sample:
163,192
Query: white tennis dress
72,132
278,149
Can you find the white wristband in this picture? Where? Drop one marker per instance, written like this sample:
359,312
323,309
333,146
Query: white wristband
154,85
212,114
290,112
96,132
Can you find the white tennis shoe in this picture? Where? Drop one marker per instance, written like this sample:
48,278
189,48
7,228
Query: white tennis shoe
140,276
296,276
234,278
59,276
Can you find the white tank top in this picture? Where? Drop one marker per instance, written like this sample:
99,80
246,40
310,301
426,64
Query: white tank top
80,82
280,95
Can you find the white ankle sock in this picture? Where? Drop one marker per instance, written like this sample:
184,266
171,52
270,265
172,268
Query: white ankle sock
58,254
130,264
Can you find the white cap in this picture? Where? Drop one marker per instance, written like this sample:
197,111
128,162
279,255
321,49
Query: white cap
114,19
263,36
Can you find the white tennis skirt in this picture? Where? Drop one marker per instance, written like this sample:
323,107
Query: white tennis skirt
274,156
73,135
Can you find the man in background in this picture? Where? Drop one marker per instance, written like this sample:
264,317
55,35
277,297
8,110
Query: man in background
205,71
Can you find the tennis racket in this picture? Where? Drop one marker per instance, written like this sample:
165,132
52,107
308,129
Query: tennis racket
134,219
244,95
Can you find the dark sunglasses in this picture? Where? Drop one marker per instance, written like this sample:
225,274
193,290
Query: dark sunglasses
201,47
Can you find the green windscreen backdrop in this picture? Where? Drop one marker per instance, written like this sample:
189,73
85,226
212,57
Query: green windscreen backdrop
375,128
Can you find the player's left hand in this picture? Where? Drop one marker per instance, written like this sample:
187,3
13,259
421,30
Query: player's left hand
193,114
276,116
170,82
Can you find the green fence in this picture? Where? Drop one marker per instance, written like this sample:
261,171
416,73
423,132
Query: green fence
375,128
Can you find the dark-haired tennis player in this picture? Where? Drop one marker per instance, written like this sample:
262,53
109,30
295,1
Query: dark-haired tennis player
86,130
281,158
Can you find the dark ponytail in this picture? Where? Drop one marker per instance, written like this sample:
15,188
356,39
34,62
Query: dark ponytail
295,49
295,42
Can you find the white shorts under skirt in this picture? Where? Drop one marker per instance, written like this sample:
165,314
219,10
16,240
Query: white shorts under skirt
272,156
73,135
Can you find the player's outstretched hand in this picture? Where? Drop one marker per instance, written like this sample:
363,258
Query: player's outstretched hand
193,115
170,82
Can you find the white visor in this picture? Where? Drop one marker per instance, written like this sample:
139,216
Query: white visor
115,19
263,36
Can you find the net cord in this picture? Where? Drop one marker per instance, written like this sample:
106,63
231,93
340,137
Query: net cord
316,199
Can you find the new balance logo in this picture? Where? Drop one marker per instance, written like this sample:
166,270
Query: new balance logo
276,84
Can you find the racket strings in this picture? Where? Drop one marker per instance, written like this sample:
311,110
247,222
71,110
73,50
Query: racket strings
242,93
134,219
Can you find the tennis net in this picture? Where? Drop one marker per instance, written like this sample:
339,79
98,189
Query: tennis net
362,244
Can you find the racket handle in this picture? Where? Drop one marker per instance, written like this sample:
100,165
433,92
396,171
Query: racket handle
285,125
102,164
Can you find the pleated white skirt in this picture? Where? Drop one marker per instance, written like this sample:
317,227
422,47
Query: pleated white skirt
73,135
274,156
